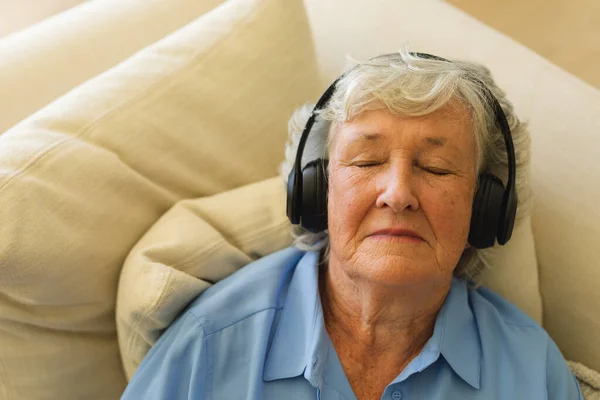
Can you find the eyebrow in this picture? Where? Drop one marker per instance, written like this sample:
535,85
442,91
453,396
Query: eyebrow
370,137
434,141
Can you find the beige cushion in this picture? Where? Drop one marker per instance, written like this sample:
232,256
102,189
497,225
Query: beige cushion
566,219
195,243
48,59
511,271
83,179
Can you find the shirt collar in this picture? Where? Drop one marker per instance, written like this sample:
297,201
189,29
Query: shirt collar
299,343
299,346
460,342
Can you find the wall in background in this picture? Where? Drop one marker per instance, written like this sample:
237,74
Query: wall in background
566,32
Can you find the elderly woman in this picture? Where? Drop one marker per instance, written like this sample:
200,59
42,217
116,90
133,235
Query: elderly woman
378,297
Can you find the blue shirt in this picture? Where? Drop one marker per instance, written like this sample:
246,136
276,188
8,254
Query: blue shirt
260,334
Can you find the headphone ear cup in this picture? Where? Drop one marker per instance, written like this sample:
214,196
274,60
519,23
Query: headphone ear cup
487,210
314,196
509,214
293,210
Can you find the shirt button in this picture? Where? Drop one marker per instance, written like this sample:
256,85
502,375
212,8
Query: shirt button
396,395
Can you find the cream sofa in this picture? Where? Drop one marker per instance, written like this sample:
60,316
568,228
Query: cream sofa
141,167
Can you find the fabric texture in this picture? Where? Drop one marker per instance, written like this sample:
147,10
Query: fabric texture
272,344
84,178
589,380
94,37
195,244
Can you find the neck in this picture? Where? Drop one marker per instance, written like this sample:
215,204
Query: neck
382,325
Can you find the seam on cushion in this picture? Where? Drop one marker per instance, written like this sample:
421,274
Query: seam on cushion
242,239
245,240
162,84
39,155
146,312
204,251
214,248
85,129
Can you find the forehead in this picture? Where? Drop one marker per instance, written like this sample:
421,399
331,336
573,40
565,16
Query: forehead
449,127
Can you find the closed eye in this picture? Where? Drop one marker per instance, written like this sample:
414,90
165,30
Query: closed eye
435,171
367,164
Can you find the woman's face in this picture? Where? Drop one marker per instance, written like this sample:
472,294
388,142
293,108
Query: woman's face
388,173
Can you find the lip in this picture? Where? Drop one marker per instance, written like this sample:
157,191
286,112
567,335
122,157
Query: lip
398,233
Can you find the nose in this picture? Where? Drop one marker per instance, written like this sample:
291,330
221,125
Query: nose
395,187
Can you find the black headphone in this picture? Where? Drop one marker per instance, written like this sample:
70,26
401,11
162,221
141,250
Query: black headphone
494,207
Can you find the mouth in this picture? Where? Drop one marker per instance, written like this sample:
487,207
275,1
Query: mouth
397,234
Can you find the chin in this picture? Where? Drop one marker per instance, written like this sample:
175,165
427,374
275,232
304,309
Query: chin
404,269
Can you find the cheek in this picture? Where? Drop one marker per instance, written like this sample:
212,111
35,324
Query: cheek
348,203
449,213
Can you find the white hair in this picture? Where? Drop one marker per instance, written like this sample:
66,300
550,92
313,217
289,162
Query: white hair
406,84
